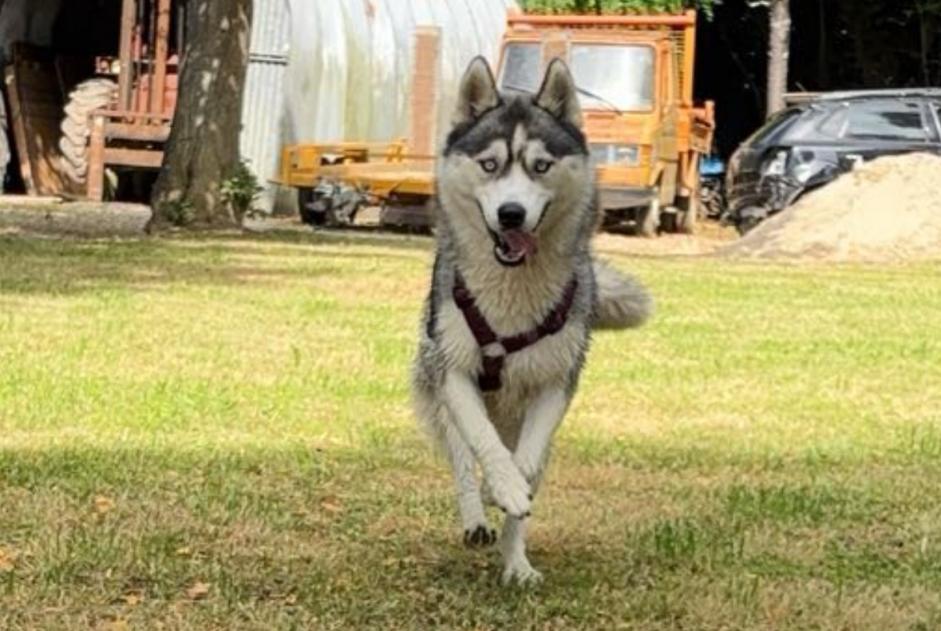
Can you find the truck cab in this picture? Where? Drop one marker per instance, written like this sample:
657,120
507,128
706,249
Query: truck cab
634,77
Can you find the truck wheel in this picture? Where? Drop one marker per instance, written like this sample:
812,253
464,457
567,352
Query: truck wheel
85,98
689,216
747,219
649,222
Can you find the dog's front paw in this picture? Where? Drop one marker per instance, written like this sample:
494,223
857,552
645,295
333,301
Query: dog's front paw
511,492
521,573
480,536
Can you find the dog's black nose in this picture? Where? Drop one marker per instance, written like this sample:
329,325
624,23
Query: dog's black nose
511,216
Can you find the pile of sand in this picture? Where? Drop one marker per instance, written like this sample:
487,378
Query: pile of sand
886,210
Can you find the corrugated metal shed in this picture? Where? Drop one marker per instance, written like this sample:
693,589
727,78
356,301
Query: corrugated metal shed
333,70
351,62
263,99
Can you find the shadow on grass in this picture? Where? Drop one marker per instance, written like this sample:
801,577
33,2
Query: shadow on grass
362,235
366,236
68,266
333,534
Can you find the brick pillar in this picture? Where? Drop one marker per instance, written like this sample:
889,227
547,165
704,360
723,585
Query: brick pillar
422,135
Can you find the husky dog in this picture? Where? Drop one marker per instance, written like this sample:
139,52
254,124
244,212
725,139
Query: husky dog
514,295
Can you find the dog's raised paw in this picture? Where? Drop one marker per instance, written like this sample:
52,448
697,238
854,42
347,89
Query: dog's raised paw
480,537
512,493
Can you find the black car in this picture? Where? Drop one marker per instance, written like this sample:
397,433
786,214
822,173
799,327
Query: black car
820,137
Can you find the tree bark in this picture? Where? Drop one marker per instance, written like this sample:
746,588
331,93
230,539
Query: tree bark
203,148
778,53
925,31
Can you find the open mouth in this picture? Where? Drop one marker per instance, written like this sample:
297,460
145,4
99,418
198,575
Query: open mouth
512,247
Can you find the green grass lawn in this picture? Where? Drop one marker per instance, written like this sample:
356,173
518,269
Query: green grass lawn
214,433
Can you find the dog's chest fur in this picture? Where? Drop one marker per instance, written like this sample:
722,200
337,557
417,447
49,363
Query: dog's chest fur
550,361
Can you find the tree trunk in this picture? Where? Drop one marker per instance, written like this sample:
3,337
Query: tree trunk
778,53
925,32
203,148
823,56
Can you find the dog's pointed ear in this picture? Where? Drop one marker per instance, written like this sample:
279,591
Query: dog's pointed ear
478,92
558,94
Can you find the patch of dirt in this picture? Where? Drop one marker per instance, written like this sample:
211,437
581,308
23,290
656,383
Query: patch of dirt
887,210
709,238
50,216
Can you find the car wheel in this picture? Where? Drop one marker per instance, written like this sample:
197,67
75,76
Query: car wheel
747,224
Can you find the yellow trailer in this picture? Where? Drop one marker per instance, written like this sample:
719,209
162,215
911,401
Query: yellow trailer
382,168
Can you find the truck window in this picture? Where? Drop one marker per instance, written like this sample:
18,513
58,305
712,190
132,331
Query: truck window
887,120
619,76
520,71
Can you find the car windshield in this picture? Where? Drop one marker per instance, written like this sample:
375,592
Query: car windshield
607,77
775,125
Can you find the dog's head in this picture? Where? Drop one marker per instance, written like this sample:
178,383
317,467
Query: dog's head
515,169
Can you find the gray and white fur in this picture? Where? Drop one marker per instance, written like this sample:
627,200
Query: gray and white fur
516,210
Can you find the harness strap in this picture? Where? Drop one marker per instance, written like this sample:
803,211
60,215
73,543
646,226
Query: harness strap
494,348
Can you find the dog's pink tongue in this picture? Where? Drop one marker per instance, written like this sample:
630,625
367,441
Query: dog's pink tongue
520,242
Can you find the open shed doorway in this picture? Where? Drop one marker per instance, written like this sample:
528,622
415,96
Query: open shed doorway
61,61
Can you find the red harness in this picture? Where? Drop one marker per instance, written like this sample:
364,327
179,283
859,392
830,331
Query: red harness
495,348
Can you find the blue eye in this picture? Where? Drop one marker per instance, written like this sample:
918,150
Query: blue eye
542,166
489,165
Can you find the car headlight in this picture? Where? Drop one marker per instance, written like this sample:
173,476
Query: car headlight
776,166
803,171
614,154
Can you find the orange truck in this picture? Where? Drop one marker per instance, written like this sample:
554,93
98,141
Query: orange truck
646,135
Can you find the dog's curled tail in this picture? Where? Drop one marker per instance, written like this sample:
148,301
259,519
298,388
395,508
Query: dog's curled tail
622,302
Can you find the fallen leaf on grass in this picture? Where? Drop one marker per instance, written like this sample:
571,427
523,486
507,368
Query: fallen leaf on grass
133,598
287,600
103,504
198,590
118,624
6,560
331,504
185,551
